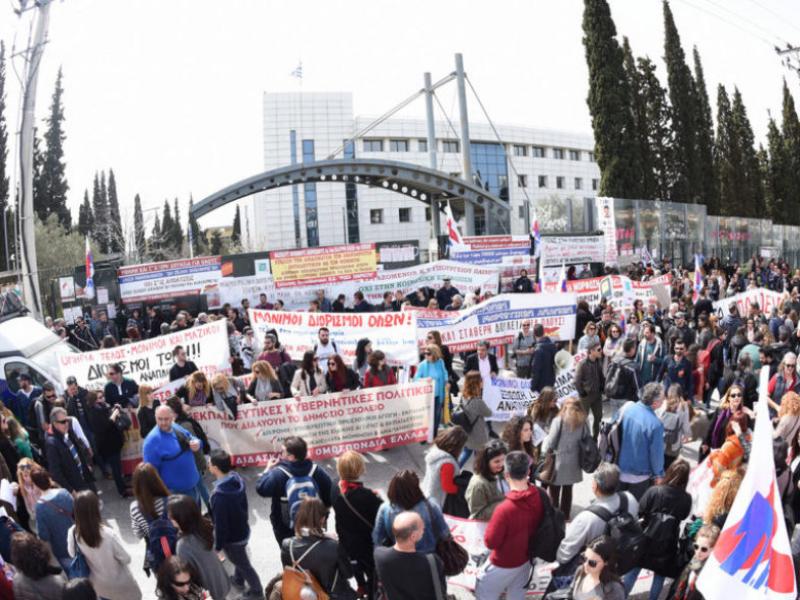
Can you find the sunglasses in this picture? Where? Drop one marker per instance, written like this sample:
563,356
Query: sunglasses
790,365
426,353
178,583
52,396
331,364
26,467
62,421
592,563
736,395
699,548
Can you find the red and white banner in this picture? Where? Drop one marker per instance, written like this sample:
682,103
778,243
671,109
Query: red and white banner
168,279
766,300
620,290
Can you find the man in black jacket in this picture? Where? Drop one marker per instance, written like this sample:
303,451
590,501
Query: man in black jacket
82,337
120,390
182,367
67,459
543,367
482,361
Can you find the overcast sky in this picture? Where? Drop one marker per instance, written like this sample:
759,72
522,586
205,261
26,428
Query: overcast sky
168,93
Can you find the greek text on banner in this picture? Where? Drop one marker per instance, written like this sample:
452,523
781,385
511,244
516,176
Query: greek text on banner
317,266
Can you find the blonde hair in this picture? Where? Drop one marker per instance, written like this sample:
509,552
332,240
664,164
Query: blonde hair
350,466
435,351
198,382
144,395
723,495
726,400
220,380
262,367
572,413
26,461
790,404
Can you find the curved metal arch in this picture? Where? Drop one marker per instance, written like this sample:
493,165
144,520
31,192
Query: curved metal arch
420,183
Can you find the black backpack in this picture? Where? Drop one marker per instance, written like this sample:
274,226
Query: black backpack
662,532
545,541
626,532
615,381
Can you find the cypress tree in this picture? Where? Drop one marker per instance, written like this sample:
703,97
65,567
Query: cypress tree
54,178
85,217
639,120
116,235
751,195
659,131
154,248
6,234
766,184
100,208
777,176
704,131
610,105
687,185
40,195
791,140
139,241
236,235
728,159
216,242
177,230
167,228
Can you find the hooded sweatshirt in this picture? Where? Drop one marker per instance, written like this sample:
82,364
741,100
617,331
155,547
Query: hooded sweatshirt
229,511
511,527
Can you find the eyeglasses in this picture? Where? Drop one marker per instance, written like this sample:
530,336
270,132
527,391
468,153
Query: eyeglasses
26,467
426,353
331,364
699,548
790,365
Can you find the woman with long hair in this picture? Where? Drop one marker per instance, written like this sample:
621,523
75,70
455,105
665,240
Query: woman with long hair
361,363
19,436
589,337
784,380
314,551
731,403
612,346
196,545
674,416
442,466
487,488
735,452
434,337
146,414
178,580
476,411
564,439
36,577
404,494
104,553
265,384
53,514
227,393
340,377
722,497
788,417
685,585
27,489
379,373
596,578
309,380
197,390
518,436
151,496
433,366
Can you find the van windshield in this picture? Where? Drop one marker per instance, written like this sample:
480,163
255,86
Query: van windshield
47,359
10,304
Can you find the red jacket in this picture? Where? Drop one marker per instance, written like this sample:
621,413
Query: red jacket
512,525
371,380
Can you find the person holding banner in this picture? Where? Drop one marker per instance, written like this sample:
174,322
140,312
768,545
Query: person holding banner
265,384
309,380
433,367
340,377
378,374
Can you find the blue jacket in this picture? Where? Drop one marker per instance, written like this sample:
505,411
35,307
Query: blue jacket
20,405
229,511
642,449
677,372
53,520
435,525
175,464
543,366
436,371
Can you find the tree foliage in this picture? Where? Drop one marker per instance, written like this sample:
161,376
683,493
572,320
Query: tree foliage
704,136
52,198
139,237
116,234
85,216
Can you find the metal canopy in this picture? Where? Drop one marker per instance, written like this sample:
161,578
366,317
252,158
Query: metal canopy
420,183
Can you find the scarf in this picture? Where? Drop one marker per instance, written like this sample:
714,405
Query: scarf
718,433
346,486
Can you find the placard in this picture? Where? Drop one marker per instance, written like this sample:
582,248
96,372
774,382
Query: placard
320,266
66,288
607,223
766,299
168,279
572,249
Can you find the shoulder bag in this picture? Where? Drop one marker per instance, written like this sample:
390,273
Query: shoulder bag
453,555
78,567
546,470
297,582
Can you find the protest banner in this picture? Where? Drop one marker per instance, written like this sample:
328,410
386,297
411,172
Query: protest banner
394,333
149,361
607,223
619,290
572,250
168,279
766,300
366,420
322,266
499,319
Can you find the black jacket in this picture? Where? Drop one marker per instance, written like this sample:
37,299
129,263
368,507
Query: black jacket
523,285
668,500
63,467
177,371
351,381
543,367
147,420
328,562
107,437
83,339
129,396
354,534
472,364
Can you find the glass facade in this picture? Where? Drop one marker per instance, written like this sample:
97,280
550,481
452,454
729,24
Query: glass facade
490,171
310,192
298,240
351,199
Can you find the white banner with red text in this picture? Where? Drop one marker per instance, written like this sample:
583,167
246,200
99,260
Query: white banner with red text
617,289
394,332
149,361
499,319
766,300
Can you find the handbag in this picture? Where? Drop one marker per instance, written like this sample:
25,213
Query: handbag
461,418
590,454
78,567
123,420
546,470
456,504
453,555
299,584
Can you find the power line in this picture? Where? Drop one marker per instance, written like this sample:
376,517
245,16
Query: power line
780,17
749,21
729,22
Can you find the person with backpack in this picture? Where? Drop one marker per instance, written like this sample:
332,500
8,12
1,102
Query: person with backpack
286,480
674,415
170,449
508,534
324,348
471,415
590,383
622,382
662,510
149,518
641,456
196,545
231,526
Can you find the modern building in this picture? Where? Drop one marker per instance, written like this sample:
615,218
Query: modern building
553,170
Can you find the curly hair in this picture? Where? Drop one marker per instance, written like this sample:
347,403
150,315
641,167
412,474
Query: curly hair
790,404
512,435
544,409
722,496
32,556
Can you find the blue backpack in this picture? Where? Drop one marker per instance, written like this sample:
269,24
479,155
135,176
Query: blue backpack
162,538
296,488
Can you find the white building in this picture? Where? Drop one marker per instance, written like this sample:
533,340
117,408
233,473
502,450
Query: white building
555,170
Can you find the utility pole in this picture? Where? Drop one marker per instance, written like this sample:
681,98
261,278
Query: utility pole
33,59
790,57
433,247
466,158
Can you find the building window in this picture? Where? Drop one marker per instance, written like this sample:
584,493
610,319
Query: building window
376,216
520,150
351,199
560,183
590,156
578,183
558,153
542,181
522,181
574,154
404,215
398,145
450,146
310,195
428,213
539,152
422,145
595,183
521,211
373,145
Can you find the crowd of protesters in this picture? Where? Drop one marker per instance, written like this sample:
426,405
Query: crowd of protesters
674,384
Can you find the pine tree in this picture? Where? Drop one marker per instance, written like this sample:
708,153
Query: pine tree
85,217
216,242
100,209
6,234
704,133
139,241
752,194
176,238
54,178
777,176
198,240
687,185
236,235
115,231
610,105
728,158
791,140
660,139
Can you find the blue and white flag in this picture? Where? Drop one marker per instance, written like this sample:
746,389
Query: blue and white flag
89,290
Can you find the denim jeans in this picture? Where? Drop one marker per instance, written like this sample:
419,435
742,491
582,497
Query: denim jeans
629,580
243,568
464,456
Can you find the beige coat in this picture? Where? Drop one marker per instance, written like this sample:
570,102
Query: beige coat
108,565
300,384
